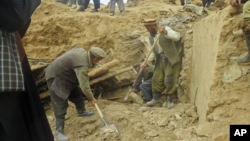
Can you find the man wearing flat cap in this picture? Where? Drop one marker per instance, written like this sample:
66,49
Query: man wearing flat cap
167,62
67,79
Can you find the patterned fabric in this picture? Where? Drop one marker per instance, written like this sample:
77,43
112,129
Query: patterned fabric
11,75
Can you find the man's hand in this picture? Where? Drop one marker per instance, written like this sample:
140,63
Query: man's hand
143,65
93,101
134,90
163,30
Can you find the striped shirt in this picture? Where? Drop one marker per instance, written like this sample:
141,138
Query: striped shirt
11,75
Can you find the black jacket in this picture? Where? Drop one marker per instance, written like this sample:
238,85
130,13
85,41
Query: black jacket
15,14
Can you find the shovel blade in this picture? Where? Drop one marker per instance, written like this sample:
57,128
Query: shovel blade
109,128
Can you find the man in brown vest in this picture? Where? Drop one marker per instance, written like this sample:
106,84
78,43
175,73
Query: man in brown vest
67,79
167,65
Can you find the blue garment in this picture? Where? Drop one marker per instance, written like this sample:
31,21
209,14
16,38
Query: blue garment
146,88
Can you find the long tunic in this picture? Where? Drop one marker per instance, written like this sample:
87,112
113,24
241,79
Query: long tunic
70,70
167,66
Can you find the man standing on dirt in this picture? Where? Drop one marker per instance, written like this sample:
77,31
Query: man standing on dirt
86,3
120,4
246,26
167,62
67,79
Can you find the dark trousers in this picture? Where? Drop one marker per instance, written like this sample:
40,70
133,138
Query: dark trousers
60,105
19,120
78,2
146,88
13,120
96,4
207,3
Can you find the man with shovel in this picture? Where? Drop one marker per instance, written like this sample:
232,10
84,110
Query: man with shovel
167,62
67,79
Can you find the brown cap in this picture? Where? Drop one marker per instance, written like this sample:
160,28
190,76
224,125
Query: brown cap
149,21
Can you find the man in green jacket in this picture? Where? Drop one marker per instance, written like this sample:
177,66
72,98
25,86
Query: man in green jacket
67,79
246,26
167,63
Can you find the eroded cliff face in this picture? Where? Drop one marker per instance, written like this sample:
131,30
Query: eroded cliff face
219,85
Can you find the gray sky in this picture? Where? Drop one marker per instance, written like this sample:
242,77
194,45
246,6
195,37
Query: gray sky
106,1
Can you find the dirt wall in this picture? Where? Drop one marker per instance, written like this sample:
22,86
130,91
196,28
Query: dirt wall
218,83
206,35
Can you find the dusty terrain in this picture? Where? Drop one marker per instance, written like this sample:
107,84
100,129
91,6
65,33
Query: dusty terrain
214,89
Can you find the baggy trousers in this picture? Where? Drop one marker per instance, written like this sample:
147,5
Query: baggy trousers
60,105
146,88
165,77
77,2
120,4
96,4
246,17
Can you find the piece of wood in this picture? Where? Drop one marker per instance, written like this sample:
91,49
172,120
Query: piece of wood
44,94
102,69
111,74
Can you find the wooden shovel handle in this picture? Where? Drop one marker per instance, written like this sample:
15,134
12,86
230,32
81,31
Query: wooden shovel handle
99,111
146,59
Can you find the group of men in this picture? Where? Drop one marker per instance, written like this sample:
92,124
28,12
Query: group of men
22,117
81,5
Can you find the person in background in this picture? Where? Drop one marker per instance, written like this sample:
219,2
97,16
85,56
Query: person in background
120,4
144,82
86,3
22,117
246,26
207,3
75,3
67,79
184,2
167,62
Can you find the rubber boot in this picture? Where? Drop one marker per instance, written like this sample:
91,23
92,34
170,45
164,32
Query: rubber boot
84,113
94,10
122,13
156,101
170,103
59,135
81,8
112,13
246,59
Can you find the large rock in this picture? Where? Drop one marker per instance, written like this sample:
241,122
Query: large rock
231,74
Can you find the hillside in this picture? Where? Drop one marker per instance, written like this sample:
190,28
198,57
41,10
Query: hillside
214,88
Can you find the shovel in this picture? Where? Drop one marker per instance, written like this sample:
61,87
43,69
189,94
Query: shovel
140,71
107,128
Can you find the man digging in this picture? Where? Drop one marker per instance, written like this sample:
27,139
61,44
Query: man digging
67,79
167,65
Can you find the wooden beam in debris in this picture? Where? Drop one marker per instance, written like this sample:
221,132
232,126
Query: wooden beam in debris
109,75
102,69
